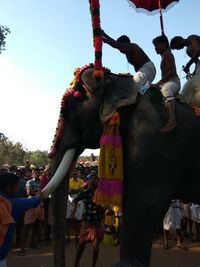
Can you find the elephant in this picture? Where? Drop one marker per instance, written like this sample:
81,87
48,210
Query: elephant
158,167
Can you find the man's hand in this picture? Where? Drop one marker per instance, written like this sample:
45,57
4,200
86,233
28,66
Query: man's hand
41,196
155,86
186,68
105,36
105,40
102,32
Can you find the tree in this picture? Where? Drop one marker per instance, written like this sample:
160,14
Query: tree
15,154
39,158
4,30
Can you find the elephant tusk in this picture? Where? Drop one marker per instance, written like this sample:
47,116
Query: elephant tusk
60,173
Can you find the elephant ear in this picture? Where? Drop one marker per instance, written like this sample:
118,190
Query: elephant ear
119,91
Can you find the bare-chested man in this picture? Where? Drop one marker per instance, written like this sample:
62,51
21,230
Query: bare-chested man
145,69
192,44
169,83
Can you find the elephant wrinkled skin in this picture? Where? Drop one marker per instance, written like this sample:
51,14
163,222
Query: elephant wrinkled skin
157,167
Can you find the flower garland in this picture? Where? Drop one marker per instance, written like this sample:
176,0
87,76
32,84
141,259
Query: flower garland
97,37
75,90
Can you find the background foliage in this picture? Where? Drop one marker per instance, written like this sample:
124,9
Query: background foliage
14,154
4,30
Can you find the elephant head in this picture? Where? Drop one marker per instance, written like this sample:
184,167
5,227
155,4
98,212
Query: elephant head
115,91
83,113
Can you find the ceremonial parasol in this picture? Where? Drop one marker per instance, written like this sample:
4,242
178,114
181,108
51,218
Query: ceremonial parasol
152,6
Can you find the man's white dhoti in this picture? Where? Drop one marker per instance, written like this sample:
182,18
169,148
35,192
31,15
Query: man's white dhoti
144,77
80,208
195,212
171,88
173,216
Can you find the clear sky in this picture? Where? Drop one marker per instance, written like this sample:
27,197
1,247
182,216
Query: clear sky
49,39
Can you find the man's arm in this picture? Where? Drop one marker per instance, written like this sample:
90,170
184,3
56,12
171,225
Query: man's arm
115,44
195,45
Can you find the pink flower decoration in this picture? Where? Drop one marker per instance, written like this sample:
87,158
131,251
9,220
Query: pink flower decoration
78,94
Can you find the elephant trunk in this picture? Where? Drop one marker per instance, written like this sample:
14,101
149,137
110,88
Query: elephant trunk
60,173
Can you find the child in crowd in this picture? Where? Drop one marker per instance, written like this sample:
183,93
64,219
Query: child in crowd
110,233
11,208
118,223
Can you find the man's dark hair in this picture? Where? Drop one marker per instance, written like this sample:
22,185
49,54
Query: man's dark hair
36,169
123,39
175,41
161,39
7,179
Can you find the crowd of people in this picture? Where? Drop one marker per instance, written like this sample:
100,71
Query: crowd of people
85,220
34,220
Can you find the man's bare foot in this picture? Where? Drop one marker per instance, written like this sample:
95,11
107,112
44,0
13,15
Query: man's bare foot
22,252
166,246
169,126
182,247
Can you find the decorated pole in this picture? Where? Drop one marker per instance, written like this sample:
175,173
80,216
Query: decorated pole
97,37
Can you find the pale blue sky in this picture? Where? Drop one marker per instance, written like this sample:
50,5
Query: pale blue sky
49,39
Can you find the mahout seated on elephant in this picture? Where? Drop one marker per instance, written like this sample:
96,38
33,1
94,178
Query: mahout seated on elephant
144,67
169,82
157,167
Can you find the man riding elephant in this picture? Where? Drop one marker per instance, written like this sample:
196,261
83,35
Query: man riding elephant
169,83
144,67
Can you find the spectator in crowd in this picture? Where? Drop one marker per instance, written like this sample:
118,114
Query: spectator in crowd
11,208
110,230
76,185
21,193
33,217
81,175
118,223
28,174
186,221
172,220
195,216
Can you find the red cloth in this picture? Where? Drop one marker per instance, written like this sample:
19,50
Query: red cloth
92,233
44,179
151,5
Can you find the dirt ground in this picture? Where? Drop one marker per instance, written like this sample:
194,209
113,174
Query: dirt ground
109,255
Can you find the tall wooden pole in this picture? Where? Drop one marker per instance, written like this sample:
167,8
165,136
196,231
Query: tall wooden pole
161,17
